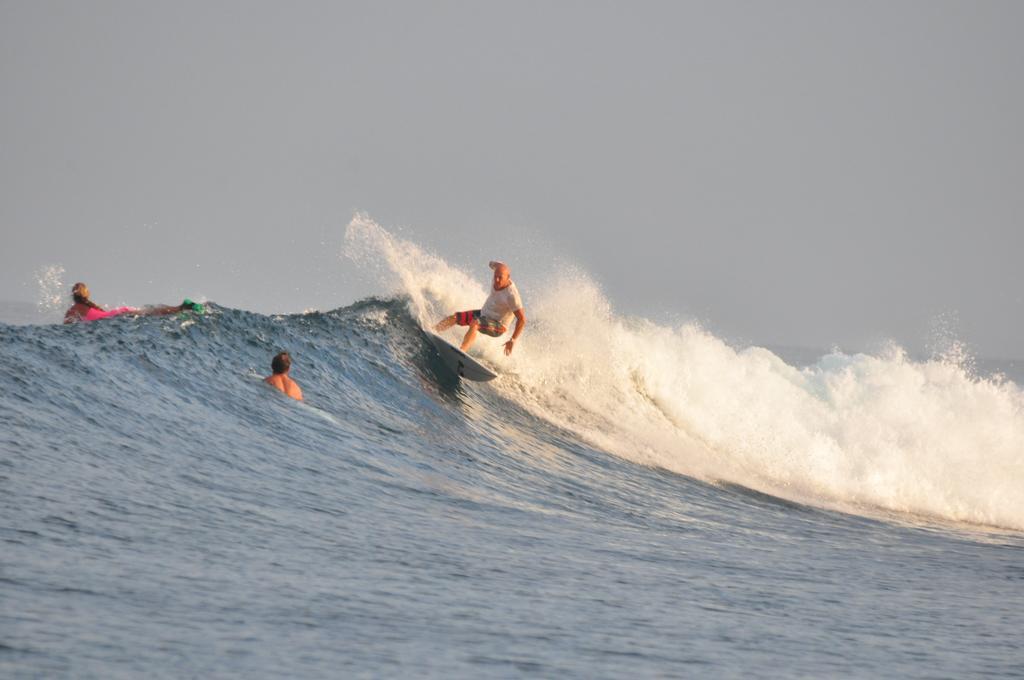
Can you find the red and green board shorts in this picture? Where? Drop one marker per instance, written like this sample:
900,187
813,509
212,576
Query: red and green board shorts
484,325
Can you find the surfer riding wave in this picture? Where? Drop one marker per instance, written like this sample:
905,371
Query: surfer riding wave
492,319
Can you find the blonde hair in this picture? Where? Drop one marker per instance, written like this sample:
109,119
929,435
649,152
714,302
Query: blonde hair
80,294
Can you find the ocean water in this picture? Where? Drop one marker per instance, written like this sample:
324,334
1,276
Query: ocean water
644,501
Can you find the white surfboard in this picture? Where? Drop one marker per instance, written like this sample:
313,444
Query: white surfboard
461,363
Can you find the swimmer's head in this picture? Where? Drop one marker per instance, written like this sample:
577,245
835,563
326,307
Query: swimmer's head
281,363
80,293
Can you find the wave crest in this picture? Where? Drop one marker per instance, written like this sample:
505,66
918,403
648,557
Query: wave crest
856,432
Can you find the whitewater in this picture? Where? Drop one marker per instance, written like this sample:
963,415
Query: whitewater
628,499
869,432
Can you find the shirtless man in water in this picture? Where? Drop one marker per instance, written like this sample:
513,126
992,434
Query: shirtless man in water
492,319
281,364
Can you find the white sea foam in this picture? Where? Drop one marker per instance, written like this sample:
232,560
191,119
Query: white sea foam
860,432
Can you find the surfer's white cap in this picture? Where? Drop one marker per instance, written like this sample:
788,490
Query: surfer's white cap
494,264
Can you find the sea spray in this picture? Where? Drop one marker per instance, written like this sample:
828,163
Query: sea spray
51,297
435,287
859,432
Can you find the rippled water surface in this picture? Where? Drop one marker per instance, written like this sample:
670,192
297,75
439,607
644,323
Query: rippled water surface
163,513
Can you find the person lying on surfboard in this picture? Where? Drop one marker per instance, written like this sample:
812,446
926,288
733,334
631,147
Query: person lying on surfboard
85,310
492,319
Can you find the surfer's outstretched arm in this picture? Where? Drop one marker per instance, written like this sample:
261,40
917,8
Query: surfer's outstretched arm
520,325
162,310
158,310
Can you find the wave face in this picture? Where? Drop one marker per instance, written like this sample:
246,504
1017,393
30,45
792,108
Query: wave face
164,509
859,433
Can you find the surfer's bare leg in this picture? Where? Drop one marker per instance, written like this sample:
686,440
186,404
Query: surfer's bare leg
445,323
470,335
160,310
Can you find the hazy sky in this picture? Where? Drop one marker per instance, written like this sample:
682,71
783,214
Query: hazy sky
806,173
